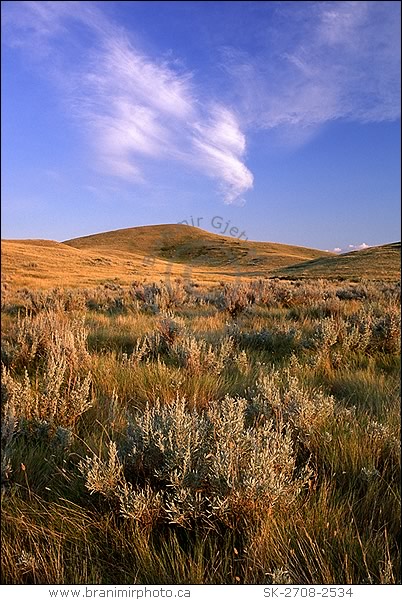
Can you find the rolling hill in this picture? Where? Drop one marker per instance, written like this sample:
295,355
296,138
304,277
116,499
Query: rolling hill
157,252
192,246
377,262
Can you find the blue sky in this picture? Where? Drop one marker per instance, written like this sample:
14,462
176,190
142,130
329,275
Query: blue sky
280,117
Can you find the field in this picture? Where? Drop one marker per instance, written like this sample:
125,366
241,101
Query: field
189,432
178,251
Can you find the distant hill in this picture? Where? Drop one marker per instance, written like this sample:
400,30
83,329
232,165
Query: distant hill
193,246
378,262
157,252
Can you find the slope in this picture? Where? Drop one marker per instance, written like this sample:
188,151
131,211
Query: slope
192,246
379,262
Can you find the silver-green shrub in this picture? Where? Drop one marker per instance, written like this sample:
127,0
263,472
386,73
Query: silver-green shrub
56,398
210,466
283,397
50,335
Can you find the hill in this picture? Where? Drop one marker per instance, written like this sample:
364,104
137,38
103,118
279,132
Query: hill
161,251
378,262
152,252
192,246
44,264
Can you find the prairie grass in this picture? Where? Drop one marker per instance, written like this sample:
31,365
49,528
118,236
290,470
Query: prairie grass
163,433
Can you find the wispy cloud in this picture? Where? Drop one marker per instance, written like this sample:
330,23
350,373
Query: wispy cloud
132,107
220,145
334,60
315,62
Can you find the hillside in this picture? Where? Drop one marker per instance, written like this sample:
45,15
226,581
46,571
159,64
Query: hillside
378,262
44,264
161,251
189,245
152,252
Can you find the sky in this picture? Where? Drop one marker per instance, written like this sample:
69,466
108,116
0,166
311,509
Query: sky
279,120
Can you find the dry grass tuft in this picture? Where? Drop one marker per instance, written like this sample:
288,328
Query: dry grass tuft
166,433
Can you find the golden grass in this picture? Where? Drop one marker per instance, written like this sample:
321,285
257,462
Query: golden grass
185,244
294,372
146,253
379,263
43,264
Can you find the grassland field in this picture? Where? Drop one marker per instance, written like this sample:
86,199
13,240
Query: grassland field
210,429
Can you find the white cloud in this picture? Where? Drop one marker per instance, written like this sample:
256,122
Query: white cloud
152,84
314,62
351,248
132,107
333,60
220,145
362,246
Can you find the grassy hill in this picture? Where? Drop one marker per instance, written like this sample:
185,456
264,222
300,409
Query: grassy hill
161,251
44,264
150,253
189,245
378,262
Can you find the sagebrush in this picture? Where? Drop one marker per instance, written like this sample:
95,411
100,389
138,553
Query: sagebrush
166,433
